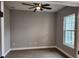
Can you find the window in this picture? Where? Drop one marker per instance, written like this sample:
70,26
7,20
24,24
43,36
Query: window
69,30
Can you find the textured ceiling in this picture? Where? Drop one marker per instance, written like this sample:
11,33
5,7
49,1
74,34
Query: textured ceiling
18,6
55,5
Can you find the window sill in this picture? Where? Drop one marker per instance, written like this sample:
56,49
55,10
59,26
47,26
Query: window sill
69,45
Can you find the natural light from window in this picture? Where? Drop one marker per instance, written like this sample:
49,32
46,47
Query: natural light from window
69,30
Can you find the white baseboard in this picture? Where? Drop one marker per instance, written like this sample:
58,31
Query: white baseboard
64,52
41,47
6,52
25,48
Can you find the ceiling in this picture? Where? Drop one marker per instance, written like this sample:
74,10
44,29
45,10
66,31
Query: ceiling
55,5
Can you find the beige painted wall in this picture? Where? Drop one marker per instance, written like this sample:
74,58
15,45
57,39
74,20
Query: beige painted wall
78,33
32,29
78,29
6,29
59,39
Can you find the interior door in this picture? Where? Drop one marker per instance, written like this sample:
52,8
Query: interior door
0,33
0,39
1,15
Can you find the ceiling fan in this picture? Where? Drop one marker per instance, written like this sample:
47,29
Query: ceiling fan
38,6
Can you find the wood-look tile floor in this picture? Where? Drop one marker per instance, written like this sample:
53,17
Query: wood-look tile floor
37,53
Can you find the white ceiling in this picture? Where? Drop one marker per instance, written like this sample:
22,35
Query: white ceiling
55,5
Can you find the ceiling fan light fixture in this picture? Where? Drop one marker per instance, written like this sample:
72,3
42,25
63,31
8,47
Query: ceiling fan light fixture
38,8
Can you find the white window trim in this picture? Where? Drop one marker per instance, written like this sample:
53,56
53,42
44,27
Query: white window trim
71,46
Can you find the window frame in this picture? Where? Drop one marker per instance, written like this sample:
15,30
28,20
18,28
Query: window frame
71,46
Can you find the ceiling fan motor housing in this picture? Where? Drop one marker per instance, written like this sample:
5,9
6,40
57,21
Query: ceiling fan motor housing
38,6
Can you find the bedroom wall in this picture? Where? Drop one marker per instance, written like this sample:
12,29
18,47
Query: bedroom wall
32,29
59,32
6,29
78,33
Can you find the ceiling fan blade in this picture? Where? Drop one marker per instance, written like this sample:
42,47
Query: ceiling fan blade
41,9
27,4
31,7
46,5
36,3
47,8
34,10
